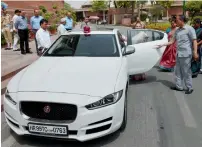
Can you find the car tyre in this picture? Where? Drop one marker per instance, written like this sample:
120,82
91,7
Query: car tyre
124,122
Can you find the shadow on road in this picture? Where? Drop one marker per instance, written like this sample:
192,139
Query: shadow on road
149,79
50,142
166,83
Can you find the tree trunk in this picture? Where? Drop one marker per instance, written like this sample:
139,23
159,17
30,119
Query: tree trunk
167,14
103,15
133,3
138,10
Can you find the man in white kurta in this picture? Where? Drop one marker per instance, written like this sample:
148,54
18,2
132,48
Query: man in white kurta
61,28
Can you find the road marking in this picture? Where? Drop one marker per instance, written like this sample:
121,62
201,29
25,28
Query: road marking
186,112
8,142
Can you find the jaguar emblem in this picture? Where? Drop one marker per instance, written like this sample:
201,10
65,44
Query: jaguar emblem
47,109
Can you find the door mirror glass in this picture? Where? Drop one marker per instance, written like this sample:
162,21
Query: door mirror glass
129,50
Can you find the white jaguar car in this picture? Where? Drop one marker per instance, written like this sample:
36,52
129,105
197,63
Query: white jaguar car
78,88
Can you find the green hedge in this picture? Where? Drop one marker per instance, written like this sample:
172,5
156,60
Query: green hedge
158,26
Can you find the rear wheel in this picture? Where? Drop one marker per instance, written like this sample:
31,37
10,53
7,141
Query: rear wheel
124,122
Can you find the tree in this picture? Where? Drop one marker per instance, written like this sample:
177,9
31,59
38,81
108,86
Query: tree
166,4
139,6
123,4
99,6
193,7
156,12
68,7
133,8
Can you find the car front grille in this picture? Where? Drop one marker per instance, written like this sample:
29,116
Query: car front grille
49,111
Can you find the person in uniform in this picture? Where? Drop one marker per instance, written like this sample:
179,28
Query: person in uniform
185,37
16,36
6,23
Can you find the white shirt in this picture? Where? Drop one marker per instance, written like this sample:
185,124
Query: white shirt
14,20
43,38
61,29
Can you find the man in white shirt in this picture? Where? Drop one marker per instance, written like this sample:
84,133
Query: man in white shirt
43,37
61,28
16,37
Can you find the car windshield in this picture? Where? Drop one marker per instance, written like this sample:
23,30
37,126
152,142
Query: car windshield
93,45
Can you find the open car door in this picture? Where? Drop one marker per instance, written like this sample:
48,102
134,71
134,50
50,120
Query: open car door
146,54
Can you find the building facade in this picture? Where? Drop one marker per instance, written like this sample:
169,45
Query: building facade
30,6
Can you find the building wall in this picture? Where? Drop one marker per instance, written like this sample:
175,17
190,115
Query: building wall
29,6
175,11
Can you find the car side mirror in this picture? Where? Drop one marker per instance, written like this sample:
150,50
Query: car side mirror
129,50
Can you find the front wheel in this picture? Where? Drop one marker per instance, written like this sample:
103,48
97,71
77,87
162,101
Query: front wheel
124,122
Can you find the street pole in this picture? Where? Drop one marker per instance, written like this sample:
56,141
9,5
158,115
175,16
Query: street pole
108,12
183,7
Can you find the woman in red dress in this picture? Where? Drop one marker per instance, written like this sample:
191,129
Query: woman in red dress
168,59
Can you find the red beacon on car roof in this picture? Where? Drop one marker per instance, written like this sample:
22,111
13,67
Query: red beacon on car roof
86,30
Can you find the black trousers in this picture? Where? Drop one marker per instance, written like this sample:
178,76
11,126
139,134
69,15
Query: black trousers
24,40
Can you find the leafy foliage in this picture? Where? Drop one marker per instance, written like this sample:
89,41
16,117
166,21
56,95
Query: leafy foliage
68,7
196,17
48,16
193,7
166,4
55,6
43,9
156,12
99,5
52,27
123,4
158,26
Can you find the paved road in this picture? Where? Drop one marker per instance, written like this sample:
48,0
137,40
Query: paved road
157,117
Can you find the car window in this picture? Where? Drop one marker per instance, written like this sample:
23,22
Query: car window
141,36
93,45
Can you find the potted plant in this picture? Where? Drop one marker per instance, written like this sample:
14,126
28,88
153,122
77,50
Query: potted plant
52,28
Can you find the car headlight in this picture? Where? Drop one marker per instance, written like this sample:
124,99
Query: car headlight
8,97
107,100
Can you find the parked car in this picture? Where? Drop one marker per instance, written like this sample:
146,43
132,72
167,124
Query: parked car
78,88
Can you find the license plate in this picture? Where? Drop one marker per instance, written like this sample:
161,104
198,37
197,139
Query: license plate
47,129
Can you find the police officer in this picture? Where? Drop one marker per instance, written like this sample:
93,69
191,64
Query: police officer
6,23
185,36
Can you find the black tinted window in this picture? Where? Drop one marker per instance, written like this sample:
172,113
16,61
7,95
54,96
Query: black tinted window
94,45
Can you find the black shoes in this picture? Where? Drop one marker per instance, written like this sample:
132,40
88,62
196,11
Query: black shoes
23,53
189,91
29,52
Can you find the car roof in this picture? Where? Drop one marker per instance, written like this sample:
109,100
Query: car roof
97,31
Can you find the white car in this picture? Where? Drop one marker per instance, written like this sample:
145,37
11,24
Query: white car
78,88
